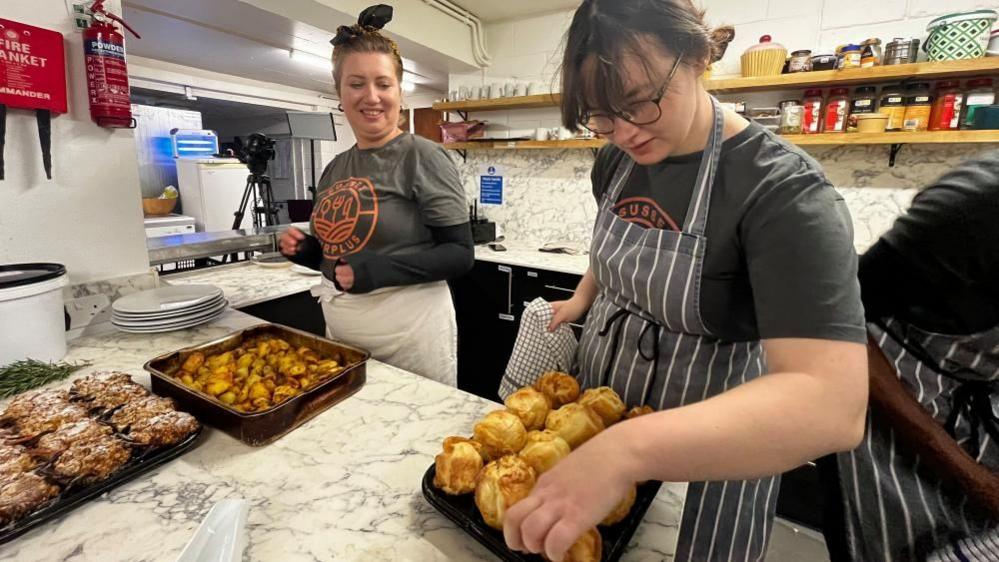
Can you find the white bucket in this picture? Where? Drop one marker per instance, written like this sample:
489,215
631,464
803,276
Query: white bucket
32,321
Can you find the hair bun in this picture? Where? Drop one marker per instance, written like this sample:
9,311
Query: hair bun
345,34
375,17
720,38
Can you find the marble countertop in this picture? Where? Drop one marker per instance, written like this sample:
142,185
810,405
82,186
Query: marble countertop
247,283
526,255
344,486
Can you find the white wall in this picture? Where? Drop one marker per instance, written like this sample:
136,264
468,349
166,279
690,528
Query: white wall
821,25
89,217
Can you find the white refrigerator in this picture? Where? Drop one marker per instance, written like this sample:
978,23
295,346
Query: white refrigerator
211,190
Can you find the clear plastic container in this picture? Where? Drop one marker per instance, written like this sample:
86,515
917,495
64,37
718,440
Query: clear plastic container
979,93
918,105
837,108
947,102
865,100
893,105
811,121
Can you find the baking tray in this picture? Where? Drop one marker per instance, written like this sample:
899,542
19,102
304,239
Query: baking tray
461,509
73,497
260,428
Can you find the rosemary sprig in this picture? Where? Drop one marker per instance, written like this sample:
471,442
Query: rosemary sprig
21,376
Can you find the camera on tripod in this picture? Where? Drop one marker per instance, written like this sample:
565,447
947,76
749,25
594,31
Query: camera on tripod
256,152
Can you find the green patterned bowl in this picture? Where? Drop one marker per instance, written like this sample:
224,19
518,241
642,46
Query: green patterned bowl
964,35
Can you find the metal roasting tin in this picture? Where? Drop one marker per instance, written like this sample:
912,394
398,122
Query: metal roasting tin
261,428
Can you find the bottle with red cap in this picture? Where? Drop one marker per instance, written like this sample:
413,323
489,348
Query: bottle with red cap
837,108
811,121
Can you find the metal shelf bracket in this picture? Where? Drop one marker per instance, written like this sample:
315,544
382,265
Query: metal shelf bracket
893,152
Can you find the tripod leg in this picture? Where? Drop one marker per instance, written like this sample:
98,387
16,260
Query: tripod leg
267,193
241,211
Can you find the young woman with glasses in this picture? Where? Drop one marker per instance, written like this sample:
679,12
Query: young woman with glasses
722,291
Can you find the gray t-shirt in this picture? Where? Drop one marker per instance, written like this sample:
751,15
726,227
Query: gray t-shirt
780,260
383,200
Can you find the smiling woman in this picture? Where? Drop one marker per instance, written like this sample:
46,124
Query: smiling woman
390,219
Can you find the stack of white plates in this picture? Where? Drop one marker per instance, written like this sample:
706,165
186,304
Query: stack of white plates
168,308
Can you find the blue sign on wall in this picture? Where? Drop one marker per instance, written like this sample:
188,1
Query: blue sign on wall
491,187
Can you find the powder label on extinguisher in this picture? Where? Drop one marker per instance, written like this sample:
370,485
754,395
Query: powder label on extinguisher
32,67
107,74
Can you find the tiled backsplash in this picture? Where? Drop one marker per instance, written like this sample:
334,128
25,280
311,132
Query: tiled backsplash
547,194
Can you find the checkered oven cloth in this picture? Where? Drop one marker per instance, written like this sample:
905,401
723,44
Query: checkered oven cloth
537,350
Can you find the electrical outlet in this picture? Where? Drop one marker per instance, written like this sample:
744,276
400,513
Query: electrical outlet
84,311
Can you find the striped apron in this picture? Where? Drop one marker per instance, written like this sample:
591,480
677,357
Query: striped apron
645,338
896,509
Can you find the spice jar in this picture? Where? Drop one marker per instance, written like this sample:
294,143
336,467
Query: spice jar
918,105
811,121
947,102
837,108
979,94
870,54
849,57
791,113
893,105
801,61
864,101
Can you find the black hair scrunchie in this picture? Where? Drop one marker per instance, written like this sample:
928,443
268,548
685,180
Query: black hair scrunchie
372,18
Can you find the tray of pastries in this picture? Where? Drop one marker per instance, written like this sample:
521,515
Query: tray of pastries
60,448
474,480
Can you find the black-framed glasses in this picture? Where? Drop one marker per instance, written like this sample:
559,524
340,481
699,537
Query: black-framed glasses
639,113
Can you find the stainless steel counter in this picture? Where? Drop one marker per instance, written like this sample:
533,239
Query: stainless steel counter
171,249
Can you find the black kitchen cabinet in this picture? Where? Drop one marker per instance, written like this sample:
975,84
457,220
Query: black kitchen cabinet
489,302
487,326
531,283
299,311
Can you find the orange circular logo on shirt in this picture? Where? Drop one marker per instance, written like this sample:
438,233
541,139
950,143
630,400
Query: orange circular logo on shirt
345,217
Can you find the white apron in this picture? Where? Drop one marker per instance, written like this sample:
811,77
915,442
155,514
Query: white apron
412,327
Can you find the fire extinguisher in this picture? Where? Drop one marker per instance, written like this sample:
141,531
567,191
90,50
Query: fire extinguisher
107,74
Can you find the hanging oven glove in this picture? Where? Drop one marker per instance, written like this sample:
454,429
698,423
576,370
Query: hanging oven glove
3,134
44,119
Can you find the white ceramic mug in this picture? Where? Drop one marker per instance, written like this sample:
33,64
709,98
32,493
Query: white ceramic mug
520,90
463,93
565,134
474,93
495,91
453,96
541,133
509,89
534,89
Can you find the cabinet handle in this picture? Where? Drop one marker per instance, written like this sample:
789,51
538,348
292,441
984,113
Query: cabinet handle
507,317
509,288
557,288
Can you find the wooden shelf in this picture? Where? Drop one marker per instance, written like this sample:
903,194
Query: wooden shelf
520,102
900,137
876,74
797,80
523,145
